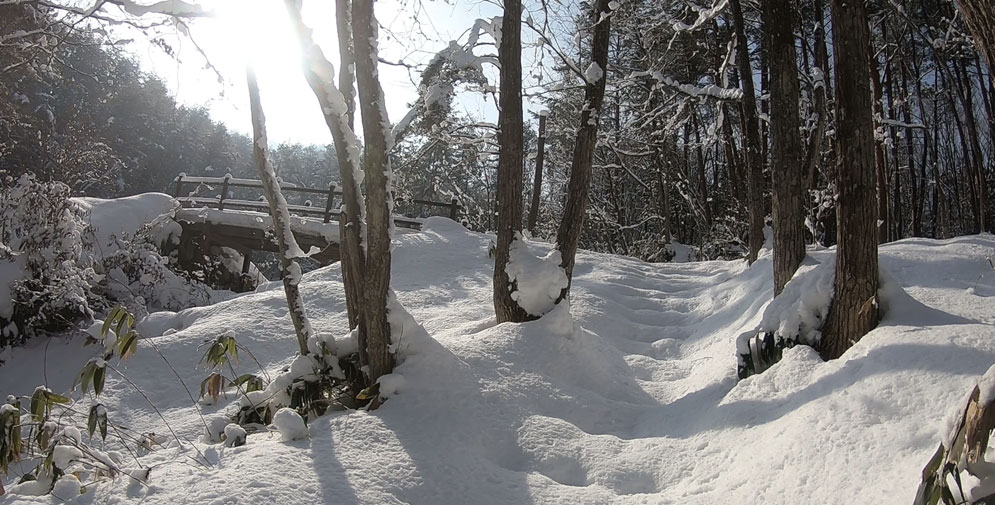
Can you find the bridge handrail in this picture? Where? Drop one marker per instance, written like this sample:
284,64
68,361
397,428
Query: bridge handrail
229,182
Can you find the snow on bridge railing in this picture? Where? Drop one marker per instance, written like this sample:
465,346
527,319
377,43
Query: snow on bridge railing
227,182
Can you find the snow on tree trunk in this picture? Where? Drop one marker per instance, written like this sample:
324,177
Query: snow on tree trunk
379,187
751,144
287,244
568,234
337,107
786,146
854,310
509,172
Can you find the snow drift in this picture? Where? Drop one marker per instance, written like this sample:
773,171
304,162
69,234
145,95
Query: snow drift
632,399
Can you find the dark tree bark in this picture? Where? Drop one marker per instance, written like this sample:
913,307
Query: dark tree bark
509,172
376,164
880,157
290,270
854,310
979,16
568,235
786,146
814,153
537,181
751,143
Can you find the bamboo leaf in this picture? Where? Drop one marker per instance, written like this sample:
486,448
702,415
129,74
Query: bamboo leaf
99,374
91,421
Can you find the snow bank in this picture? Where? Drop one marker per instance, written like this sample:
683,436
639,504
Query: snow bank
627,396
122,217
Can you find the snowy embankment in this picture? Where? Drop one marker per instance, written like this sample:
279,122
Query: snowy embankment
632,400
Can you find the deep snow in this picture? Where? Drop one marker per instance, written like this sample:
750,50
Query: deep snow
633,399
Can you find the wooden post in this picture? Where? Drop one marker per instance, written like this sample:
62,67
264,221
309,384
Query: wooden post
454,209
224,192
246,259
537,184
179,186
328,202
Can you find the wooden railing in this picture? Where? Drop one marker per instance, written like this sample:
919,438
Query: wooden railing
223,200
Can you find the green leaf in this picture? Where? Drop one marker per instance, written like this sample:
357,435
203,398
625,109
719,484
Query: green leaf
91,420
86,377
98,379
369,393
127,345
38,405
56,398
121,330
108,322
250,382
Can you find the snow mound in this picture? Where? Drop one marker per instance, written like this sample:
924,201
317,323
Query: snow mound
290,424
539,280
122,217
628,395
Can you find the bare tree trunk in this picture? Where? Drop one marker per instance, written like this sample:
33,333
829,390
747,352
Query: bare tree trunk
814,154
290,270
979,16
980,181
880,158
379,190
568,235
786,146
751,143
337,108
537,184
509,172
353,259
854,310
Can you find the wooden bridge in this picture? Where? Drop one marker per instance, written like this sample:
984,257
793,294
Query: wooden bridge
220,212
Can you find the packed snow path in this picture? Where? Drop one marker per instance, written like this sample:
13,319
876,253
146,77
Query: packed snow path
632,400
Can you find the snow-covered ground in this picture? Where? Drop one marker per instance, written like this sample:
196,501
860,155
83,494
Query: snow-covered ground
632,400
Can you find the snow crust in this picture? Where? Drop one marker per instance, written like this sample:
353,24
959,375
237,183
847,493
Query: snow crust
628,396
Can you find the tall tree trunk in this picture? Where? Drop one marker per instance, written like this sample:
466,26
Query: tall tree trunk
336,105
980,180
379,190
702,177
287,244
915,182
896,199
786,146
814,154
751,143
880,157
353,259
509,172
979,16
854,310
537,182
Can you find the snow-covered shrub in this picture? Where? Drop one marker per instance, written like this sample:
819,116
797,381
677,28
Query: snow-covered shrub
46,268
137,275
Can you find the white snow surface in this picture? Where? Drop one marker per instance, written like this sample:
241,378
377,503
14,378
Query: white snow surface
122,217
539,279
632,399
